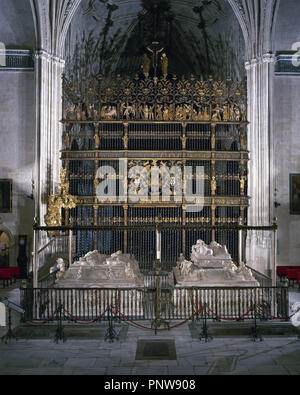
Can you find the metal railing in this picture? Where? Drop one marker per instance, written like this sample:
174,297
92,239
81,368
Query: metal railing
139,303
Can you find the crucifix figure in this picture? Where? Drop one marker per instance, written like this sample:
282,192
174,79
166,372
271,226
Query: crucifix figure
155,51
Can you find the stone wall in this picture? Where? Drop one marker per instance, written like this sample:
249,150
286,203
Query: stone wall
286,134
17,147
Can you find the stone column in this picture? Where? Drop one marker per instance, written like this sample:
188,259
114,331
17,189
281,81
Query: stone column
260,178
48,73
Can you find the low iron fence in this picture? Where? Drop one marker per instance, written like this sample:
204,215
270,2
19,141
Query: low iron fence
173,304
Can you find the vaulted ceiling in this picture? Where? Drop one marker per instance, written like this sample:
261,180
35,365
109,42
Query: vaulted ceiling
43,24
199,37
16,24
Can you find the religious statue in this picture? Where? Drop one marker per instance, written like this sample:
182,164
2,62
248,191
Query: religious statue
242,140
67,140
213,185
61,200
242,184
216,116
159,114
244,113
125,141
206,116
90,111
183,140
166,113
146,65
237,114
186,268
231,112
151,113
97,141
61,266
225,114
200,250
164,65
155,53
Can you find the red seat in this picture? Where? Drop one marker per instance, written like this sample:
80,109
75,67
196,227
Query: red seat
6,274
292,274
16,272
282,271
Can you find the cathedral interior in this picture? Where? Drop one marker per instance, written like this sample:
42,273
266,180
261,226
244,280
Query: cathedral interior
150,180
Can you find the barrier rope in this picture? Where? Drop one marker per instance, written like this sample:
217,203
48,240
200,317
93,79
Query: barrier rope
69,314
43,322
222,318
275,318
161,329
231,319
86,321
117,310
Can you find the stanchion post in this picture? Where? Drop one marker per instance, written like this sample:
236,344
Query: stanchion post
111,334
70,247
35,259
204,334
255,332
60,335
158,238
274,267
240,242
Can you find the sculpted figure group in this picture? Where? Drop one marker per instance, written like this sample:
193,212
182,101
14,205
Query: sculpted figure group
160,112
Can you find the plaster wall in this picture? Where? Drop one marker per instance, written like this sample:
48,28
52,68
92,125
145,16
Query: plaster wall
287,135
287,161
17,147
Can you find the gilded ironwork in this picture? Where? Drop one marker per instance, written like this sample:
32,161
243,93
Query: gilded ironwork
62,200
115,119
154,99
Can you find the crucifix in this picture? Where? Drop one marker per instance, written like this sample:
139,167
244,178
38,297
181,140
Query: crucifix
155,51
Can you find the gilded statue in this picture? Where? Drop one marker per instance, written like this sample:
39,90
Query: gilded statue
216,116
225,114
97,140
231,112
159,114
61,200
164,65
213,185
242,184
183,139
244,114
67,140
166,113
125,141
237,114
206,116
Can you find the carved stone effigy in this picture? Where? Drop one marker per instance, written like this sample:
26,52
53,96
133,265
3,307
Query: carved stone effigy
211,267
115,279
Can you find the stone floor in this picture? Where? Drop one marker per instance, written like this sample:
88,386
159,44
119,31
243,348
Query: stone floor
221,356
